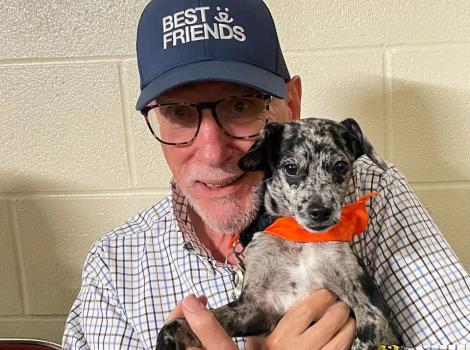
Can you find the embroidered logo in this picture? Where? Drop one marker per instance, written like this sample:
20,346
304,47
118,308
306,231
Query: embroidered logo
193,24
223,16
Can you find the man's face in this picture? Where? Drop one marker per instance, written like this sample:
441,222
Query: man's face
206,171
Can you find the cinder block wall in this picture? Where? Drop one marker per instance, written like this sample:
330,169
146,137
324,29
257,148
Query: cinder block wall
76,159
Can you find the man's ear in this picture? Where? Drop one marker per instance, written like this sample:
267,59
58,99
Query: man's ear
359,145
294,97
264,151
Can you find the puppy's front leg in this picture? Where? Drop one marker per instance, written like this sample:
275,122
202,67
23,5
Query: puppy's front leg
246,316
241,318
349,283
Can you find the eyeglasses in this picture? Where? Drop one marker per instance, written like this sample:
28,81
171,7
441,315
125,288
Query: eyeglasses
240,117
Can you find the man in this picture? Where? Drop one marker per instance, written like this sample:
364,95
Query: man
212,73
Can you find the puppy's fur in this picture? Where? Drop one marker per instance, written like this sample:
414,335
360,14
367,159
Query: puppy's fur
308,165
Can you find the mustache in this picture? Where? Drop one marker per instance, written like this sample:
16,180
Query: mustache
200,172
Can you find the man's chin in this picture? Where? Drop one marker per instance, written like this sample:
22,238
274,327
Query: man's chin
224,215
229,213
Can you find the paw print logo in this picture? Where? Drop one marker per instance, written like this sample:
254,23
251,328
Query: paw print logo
223,16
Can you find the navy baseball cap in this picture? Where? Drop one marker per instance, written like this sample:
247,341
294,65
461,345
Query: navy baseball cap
185,41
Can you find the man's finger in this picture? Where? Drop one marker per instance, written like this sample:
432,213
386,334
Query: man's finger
344,338
329,324
305,312
205,326
255,342
178,310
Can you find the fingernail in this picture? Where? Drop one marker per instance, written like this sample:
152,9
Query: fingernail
202,299
191,304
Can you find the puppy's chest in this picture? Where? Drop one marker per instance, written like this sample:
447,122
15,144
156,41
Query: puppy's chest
308,271
290,271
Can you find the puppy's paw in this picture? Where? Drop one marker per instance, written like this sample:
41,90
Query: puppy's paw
371,336
366,337
176,335
367,333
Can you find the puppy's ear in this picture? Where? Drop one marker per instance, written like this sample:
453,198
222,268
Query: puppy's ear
359,144
264,152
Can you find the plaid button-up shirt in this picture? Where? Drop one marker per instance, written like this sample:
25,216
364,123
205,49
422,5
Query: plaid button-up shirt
136,274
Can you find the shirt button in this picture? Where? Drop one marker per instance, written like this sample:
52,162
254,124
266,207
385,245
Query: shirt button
188,246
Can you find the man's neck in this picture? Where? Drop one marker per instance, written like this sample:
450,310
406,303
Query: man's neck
218,243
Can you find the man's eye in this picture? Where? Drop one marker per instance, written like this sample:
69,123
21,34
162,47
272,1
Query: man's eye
341,167
240,106
290,169
178,112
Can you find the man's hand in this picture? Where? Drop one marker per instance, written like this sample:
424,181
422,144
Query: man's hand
203,323
334,328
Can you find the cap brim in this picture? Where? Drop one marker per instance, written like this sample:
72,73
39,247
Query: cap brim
234,72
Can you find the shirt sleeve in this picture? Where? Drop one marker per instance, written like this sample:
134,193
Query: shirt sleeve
420,277
97,319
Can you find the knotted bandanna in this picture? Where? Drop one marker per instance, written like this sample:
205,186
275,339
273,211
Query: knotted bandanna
353,221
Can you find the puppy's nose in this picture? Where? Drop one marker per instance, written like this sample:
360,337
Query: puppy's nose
319,213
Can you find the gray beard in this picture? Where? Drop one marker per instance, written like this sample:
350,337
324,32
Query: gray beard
235,224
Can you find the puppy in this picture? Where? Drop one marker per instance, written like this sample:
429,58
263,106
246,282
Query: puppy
308,165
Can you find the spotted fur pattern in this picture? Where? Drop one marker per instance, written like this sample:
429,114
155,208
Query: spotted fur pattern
308,165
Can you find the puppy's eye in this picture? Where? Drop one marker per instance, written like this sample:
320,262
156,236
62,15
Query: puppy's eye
341,167
290,169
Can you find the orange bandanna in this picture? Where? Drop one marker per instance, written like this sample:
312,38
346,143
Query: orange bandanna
354,219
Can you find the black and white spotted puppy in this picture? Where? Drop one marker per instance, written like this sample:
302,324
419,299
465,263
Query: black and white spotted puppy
308,165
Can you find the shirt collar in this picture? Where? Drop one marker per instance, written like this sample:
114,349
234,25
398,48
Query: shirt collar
181,210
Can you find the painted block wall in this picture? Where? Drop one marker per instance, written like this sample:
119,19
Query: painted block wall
76,159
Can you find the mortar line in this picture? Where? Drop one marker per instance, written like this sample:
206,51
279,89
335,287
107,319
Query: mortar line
128,132
30,61
41,318
18,256
88,193
440,185
431,46
388,103
344,50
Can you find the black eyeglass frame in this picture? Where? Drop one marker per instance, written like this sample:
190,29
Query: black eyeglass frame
199,108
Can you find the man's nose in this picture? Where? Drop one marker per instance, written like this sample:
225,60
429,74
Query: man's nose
212,144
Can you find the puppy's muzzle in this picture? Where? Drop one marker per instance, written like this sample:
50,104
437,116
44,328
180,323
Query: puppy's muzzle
319,213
